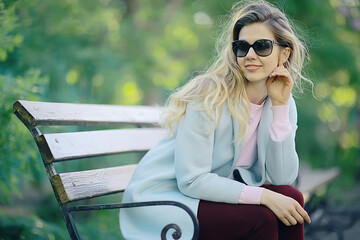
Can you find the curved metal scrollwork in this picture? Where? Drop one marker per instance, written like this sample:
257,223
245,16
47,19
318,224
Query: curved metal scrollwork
175,235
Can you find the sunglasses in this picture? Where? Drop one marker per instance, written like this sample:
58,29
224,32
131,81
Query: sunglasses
262,47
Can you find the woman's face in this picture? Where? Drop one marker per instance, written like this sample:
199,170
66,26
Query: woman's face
255,68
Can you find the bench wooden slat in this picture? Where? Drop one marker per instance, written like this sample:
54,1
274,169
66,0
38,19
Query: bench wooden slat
311,180
74,186
75,145
43,113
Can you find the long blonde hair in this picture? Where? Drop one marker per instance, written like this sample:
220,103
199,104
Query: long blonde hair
222,81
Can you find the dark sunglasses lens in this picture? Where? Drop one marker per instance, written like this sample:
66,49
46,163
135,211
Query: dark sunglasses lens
241,48
263,47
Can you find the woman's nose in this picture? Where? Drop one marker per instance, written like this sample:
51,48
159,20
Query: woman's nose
251,54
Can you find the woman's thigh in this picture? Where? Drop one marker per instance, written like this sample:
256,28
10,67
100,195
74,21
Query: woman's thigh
236,221
244,221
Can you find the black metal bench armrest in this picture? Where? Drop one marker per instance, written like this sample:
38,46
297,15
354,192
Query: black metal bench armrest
176,234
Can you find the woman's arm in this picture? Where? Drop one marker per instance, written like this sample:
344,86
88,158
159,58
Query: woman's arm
280,127
282,162
194,159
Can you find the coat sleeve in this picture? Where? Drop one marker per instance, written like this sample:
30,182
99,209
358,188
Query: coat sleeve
194,158
282,162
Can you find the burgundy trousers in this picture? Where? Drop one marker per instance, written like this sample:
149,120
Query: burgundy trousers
223,221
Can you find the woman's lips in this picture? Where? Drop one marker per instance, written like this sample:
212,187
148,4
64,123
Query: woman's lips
252,68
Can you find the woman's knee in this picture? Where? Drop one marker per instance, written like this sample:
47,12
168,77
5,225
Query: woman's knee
289,191
294,193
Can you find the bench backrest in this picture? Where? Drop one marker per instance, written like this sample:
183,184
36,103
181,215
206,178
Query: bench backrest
66,146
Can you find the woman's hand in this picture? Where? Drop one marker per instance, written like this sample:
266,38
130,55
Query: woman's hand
286,209
279,86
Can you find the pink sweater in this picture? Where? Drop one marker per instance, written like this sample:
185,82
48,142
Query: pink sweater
279,130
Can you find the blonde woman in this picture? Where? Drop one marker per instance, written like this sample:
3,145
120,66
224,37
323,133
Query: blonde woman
231,129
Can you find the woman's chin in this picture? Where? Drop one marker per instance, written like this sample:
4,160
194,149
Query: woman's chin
256,79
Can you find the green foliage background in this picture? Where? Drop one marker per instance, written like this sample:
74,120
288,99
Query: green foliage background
137,52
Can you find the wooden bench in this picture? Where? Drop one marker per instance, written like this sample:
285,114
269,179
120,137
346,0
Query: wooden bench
312,181
70,187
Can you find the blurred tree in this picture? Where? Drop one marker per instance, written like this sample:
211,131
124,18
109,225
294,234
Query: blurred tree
121,52
18,157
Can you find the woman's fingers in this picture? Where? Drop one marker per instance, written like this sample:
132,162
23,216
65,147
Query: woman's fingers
280,71
286,222
282,74
289,220
297,217
292,221
279,86
304,214
291,217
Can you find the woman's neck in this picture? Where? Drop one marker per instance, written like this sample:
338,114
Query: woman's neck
256,92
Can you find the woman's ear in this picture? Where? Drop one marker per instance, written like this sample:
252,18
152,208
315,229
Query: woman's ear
284,55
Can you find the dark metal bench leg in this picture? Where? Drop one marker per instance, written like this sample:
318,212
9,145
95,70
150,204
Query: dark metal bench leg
70,224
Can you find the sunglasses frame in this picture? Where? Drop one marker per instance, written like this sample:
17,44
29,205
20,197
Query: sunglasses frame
235,44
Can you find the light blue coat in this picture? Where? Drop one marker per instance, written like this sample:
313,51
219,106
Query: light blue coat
197,164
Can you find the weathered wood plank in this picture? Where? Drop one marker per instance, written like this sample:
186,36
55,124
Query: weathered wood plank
74,186
43,113
75,145
311,180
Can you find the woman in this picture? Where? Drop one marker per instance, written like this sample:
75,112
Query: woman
232,128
